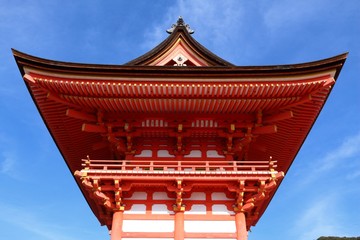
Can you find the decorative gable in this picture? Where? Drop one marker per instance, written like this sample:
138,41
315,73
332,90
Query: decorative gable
179,49
180,54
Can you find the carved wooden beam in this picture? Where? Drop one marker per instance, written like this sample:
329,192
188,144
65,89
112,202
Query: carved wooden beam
28,78
80,115
265,129
278,117
86,127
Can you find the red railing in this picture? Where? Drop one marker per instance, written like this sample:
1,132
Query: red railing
178,165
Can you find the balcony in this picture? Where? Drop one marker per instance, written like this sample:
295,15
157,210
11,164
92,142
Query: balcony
183,169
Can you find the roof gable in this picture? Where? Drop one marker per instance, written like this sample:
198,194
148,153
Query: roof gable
179,49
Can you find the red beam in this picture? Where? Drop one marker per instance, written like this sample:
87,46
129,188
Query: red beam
265,129
279,117
80,115
329,82
99,145
93,128
29,78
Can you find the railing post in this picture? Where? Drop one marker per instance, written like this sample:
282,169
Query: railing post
123,165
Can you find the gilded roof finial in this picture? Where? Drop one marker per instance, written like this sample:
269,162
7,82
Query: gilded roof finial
180,22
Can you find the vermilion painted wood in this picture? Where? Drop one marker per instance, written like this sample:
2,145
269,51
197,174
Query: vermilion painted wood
178,120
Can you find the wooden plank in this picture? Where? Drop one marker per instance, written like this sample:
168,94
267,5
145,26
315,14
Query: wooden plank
80,115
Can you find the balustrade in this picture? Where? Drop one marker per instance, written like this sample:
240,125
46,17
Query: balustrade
176,166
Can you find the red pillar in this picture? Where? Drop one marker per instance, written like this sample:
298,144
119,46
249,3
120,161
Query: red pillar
179,233
240,221
116,228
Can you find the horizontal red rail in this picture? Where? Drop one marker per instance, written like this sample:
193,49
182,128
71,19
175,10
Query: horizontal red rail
178,165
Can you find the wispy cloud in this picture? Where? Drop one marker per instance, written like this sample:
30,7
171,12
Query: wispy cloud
281,14
8,165
25,220
319,218
349,148
355,174
8,158
213,21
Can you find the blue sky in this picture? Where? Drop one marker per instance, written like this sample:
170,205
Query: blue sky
321,193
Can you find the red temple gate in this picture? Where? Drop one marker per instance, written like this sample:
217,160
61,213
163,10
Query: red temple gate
178,143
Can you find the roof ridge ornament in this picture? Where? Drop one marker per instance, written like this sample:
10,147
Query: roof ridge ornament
180,22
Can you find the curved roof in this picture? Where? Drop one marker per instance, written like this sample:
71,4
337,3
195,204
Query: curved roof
69,95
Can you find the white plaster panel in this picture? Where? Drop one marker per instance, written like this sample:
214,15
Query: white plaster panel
213,154
137,209
145,153
138,196
197,196
161,196
219,196
209,226
160,209
148,226
164,153
154,238
202,238
194,153
220,209
197,209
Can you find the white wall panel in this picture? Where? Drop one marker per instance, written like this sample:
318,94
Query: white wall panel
194,153
160,209
152,238
145,153
219,196
197,196
204,238
138,196
213,154
210,226
220,209
197,209
164,153
161,196
137,209
148,226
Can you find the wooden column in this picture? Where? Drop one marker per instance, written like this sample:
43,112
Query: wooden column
116,228
179,232
240,221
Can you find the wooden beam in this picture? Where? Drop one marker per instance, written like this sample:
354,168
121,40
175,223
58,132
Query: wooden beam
99,145
278,117
93,128
55,97
29,78
265,129
329,82
302,100
80,115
